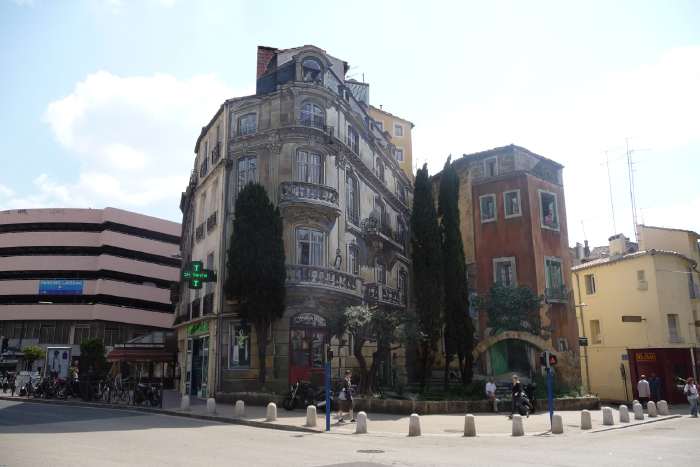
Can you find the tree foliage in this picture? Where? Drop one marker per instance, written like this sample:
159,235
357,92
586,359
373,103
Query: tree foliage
33,353
256,270
93,362
427,274
458,330
512,309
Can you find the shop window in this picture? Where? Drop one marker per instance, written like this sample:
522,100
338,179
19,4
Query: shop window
310,247
596,337
590,284
309,167
549,215
247,171
239,354
511,203
247,124
487,208
504,271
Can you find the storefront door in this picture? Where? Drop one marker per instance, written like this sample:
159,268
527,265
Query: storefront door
308,336
199,373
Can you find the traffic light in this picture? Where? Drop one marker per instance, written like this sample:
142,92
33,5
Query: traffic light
552,360
548,359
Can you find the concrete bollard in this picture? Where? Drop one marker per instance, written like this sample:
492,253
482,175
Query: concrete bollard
311,418
211,405
638,411
635,402
624,414
518,429
239,409
586,420
651,409
185,403
608,416
271,415
557,424
361,426
414,425
662,407
469,425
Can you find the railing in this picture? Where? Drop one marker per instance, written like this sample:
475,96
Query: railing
556,294
199,232
384,294
211,222
330,278
194,308
371,226
208,304
216,153
314,121
295,191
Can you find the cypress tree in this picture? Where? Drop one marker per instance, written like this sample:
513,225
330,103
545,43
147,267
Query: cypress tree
458,331
256,270
427,274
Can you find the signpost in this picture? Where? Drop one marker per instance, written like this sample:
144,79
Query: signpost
329,357
195,275
549,360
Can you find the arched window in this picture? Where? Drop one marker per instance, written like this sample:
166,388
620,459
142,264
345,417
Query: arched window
309,167
310,246
311,70
379,271
312,115
353,199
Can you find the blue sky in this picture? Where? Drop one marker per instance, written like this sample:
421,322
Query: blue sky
102,100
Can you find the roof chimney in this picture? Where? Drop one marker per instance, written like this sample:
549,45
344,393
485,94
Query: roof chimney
586,249
265,55
617,245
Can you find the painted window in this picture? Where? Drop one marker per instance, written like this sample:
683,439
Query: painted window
549,214
353,140
511,203
487,208
491,167
310,246
353,199
398,130
312,115
309,167
353,264
590,284
553,274
673,332
504,271
596,337
239,345
311,70
247,171
398,153
247,124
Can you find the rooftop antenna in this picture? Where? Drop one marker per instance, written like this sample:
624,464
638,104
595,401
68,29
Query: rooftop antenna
633,199
583,228
612,203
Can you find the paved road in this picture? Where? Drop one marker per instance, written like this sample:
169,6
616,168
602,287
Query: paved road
38,434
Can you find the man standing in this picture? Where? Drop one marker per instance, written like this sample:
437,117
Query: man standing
491,394
516,389
643,390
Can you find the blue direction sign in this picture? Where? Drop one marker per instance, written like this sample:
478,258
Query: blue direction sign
60,287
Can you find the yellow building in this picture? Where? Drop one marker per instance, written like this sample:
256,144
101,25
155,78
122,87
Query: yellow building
639,313
399,132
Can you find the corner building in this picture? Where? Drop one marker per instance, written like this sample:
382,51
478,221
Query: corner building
308,137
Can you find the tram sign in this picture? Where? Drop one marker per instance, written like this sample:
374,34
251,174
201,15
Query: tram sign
195,275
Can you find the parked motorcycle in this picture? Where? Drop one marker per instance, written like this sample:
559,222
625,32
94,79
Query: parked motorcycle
303,394
147,394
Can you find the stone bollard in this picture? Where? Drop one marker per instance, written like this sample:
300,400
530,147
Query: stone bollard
211,405
651,409
414,425
239,409
586,420
469,425
662,407
518,429
557,424
271,412
624,414
635,402
638,411
361,426
311,419
608,416
185,403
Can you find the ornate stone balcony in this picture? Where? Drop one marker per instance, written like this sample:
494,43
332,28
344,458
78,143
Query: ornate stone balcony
384,295
379,234
324,278
320,198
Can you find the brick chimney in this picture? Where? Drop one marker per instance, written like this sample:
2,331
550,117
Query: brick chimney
265,55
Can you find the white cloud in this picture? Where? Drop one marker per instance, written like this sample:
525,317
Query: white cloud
132,139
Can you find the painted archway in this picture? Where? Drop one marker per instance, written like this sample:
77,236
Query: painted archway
490,341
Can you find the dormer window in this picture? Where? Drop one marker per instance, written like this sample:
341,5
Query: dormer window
311,70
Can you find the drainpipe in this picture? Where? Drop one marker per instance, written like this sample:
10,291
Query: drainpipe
583,331
222,267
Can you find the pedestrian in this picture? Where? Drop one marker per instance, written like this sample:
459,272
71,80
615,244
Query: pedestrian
516,389
491,394
655,387
643,390
691,392
345,398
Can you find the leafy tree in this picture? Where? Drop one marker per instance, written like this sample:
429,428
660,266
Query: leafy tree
93,362
33,353
458,330
427,273
512,309
256,270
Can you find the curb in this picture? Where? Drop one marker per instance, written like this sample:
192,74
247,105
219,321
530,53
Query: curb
630,425
171,413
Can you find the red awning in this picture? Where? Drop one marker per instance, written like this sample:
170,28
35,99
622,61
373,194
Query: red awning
140,355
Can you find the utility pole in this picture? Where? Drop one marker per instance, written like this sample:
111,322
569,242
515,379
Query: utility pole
632,196
612,203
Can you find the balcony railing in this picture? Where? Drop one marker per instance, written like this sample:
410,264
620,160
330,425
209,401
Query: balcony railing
314,121
208,304
300,274
199,232
372,227
382,293
211,222
194,308
303,191
556,294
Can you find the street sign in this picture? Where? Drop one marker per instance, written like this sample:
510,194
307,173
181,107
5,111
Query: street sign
195,275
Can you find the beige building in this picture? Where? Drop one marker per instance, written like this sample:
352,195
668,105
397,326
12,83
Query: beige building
639,313
399,132
306,136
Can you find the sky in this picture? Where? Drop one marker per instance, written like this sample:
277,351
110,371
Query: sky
102,100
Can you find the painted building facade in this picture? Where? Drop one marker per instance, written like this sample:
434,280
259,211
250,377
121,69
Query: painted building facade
399,131
639,312
307,136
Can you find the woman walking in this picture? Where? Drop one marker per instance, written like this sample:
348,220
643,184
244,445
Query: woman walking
691,392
